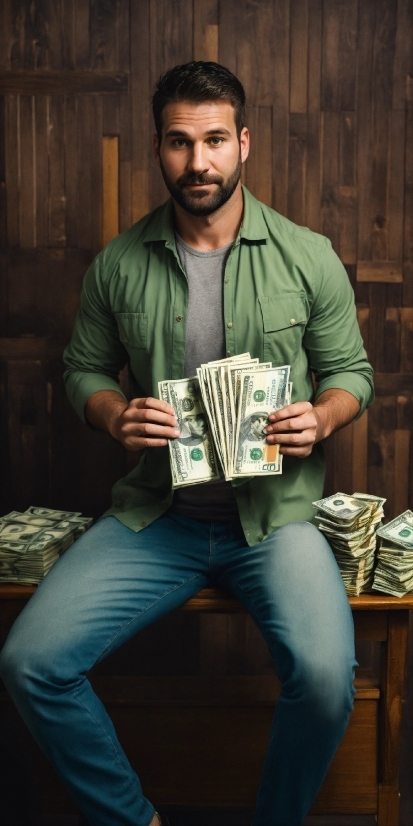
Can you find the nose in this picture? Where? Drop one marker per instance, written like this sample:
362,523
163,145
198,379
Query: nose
197,161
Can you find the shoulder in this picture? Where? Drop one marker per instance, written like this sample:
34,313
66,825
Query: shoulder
133,240
283,232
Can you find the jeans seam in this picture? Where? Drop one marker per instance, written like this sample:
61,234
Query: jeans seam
141,613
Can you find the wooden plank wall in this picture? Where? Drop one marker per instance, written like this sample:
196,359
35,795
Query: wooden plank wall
329,85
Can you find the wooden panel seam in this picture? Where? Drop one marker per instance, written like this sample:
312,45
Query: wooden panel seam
389,272
63,83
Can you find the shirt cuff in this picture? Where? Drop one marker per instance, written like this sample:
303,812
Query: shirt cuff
80,387
359,387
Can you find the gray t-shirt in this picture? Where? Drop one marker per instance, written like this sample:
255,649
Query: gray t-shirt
205,341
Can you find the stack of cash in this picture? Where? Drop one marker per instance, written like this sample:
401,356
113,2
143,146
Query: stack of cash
394,571
222,413
350,524
31,542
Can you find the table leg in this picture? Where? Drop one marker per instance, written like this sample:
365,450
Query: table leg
391,694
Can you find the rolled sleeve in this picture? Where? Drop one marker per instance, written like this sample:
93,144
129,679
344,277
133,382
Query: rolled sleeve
333,341
95,354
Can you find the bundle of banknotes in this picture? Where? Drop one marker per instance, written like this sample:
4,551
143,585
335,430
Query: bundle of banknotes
394,571
31,542
350,525
222,413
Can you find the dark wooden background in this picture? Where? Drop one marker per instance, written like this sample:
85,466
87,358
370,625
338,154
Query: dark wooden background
329,85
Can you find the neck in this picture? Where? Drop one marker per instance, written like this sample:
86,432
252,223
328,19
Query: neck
209,232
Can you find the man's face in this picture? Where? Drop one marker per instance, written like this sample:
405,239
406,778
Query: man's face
200,155
257,427
197,425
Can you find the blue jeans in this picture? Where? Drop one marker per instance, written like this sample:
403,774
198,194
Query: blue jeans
112,582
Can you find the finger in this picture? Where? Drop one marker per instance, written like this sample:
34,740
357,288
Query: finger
141,444
291,410
292,439
149,429
297,452
146,414
151,403
304,422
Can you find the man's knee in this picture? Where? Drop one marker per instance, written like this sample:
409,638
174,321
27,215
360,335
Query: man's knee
11,664
325,684
22,665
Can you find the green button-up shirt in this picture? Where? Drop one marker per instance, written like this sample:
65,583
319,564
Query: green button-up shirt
287,299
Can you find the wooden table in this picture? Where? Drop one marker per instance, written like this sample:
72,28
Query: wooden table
363,778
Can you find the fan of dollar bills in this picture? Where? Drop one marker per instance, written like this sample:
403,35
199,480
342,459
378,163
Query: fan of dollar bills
350,523
221,414
394,571
31,542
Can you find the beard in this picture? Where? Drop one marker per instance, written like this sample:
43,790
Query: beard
200,202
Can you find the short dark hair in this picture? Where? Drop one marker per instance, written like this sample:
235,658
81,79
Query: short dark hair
198,81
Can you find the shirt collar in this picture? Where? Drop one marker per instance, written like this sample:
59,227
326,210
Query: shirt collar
253,227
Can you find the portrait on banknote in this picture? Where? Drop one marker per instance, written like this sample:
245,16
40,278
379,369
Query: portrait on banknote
194,430
252,429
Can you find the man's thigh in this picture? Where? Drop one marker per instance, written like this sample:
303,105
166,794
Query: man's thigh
291,585
111,583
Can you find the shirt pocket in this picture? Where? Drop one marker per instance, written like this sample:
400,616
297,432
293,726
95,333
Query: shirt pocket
284,319
133,333
133,329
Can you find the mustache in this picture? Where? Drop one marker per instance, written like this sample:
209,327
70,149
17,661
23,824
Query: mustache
198,178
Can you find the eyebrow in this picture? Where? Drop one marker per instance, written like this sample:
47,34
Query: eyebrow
178,133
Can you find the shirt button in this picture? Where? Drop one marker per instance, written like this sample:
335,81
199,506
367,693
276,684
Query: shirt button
118,503
179,318
230,324
226,280
292,321
143,524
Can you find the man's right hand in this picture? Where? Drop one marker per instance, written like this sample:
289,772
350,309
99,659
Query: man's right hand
142,423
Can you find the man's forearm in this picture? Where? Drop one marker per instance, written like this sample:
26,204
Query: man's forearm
334,409
103,410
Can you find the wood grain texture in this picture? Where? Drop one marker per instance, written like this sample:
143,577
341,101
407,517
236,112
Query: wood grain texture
380,271
206,30
329,88
110,169
61,83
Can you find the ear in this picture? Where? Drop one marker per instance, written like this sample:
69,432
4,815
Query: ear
244,141
156,147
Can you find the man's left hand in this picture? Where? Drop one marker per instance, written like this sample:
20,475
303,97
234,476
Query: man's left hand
296,428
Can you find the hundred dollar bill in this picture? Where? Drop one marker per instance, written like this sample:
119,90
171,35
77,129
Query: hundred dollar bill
192,454
49,513
341,506
16,532
234,376
349,523
214,402
31,542
399,531
207,403
368,497
262,392
29,519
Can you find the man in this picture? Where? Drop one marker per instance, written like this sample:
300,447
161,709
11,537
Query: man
211,273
